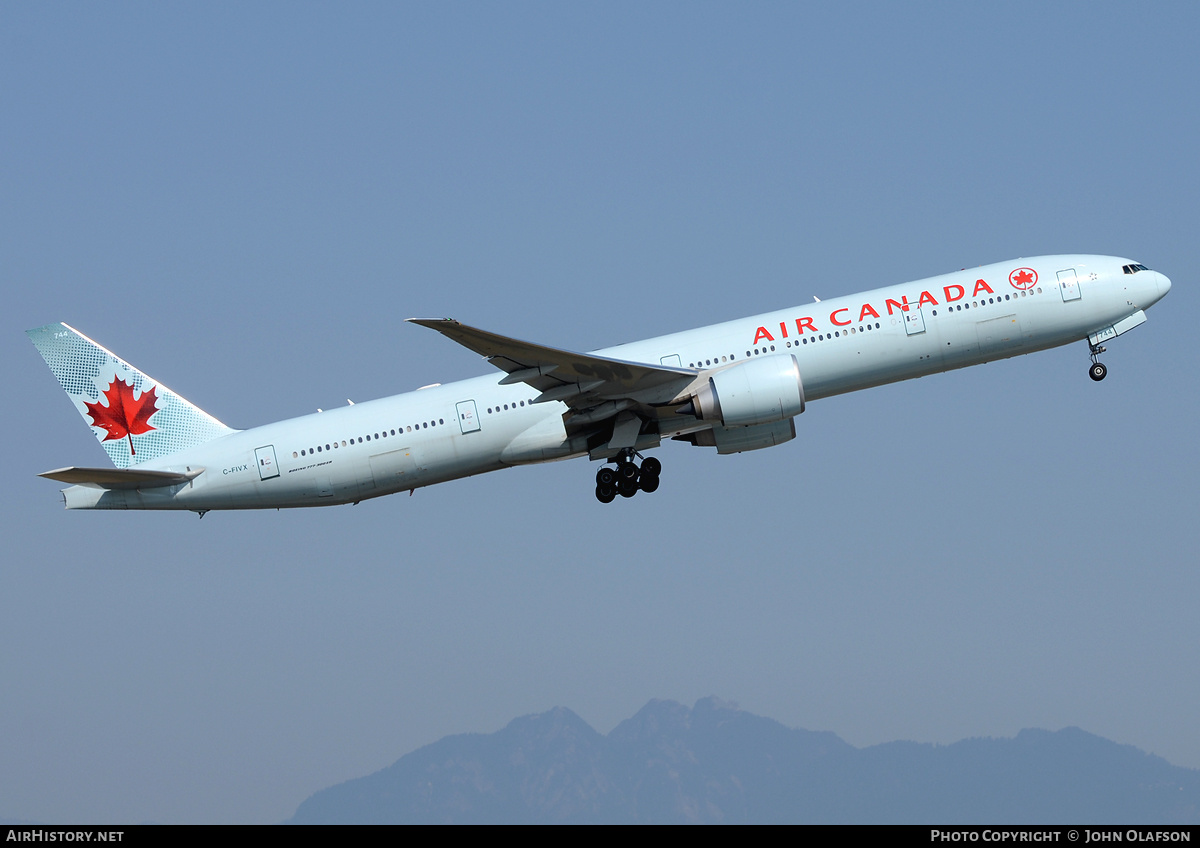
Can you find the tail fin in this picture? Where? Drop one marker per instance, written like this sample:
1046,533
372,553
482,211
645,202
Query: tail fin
135,418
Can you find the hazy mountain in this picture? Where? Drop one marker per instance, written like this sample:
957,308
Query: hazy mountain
714,763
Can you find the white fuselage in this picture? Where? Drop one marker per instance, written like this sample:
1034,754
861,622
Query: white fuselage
470,427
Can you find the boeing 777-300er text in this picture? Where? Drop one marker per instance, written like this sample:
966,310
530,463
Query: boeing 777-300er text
736,386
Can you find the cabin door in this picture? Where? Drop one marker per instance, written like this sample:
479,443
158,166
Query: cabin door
264,458
1068,284
468,416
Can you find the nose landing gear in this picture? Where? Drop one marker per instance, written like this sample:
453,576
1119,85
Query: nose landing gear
628,478
1097,371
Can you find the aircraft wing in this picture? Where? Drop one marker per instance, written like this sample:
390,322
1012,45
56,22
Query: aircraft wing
120,478
583,381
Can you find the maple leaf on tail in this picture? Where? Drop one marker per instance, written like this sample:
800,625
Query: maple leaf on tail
124,417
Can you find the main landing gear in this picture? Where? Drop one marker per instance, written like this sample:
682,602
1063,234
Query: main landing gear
627,478
1097,371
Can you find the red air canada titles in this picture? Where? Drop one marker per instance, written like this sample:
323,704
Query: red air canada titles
843,316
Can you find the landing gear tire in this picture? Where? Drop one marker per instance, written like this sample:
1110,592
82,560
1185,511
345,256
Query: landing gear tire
627,479
1097,371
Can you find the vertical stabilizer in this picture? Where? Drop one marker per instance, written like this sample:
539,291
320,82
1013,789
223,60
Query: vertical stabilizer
135,417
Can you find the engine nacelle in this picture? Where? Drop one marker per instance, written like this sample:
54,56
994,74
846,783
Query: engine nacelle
758,391
739,439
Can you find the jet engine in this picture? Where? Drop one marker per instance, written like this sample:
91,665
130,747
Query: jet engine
758,391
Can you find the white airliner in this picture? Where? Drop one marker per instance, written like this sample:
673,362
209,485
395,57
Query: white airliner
736,386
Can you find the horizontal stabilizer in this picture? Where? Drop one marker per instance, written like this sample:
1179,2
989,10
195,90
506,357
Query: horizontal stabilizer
120,478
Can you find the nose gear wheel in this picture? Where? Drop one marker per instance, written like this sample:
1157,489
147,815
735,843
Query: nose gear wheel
1097,371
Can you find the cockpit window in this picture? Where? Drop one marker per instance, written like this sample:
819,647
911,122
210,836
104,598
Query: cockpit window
1133,269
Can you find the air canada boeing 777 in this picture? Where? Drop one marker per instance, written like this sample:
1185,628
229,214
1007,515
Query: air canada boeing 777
736,386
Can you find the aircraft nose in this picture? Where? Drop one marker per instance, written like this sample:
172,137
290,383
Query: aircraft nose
1164,284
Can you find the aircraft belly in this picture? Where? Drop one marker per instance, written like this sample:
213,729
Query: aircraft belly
960,341
1000,336
397,469
540,442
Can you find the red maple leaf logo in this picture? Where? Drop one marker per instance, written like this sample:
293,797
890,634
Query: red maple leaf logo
1023,278
124,417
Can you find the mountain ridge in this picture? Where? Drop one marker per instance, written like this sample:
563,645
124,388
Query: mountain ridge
715,763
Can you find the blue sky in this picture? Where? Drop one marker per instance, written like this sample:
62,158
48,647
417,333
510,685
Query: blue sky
246,200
